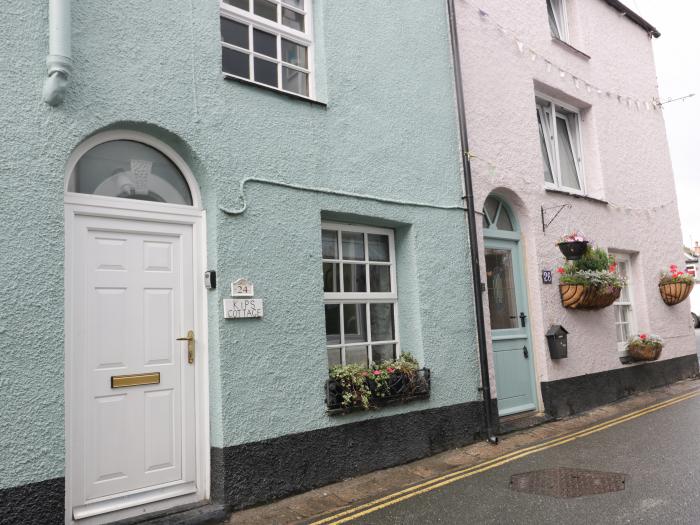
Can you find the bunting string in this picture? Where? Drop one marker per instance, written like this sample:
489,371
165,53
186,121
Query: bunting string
526,50
496,171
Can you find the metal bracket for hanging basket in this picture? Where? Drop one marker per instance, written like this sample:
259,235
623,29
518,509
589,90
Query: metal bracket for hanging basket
545,223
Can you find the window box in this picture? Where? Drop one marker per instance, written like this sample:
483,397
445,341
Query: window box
645,347
401,388
588,297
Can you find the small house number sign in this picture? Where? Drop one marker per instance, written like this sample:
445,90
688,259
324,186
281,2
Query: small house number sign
242,288
547,276
242,308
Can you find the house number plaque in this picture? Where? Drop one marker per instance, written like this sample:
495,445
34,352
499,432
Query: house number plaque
242,288
547,276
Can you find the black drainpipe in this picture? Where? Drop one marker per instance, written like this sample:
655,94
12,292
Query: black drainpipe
471,220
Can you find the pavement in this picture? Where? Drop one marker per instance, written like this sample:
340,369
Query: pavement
657,453
652,438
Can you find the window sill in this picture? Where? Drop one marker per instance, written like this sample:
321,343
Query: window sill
289,94
400,392
576,195
571,48
627,360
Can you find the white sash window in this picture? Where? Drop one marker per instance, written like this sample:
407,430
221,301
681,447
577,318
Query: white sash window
556,10
625,322
560,142
269,43
360,298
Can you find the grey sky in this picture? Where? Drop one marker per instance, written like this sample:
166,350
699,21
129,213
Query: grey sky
677,55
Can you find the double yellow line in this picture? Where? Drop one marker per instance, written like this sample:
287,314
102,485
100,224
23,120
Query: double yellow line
427,486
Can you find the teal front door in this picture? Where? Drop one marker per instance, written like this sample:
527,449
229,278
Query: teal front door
508,312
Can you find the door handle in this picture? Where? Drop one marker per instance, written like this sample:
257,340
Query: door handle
522,319
526,354
190,345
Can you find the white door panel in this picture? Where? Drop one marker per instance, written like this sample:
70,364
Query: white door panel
133,295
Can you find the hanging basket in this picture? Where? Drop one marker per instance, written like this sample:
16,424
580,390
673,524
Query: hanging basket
574,250
674,293
644,351
584,297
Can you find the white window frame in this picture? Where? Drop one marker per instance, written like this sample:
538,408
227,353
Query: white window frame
368,297
304,38
548,109
561,20
629,304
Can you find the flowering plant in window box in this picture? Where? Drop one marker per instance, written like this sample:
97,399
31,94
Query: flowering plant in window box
645,347
352,387
573,245
675,286
591,282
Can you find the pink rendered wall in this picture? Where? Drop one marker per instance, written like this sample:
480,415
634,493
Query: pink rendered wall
626,162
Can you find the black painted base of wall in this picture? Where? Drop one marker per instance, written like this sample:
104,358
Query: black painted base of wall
40,503
572,395
253,473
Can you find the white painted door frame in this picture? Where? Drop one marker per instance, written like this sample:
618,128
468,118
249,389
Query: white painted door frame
109,207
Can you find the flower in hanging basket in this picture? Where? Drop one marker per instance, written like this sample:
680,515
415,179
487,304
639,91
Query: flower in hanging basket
674,276
573,245
574,236
645,347
675,286
590,282
596,268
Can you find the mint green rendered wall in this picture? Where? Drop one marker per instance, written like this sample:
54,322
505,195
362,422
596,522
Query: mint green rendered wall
389,129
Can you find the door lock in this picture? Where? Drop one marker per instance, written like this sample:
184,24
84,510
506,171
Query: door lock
190,345
526,354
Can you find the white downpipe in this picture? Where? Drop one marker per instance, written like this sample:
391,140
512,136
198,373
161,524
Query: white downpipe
59,61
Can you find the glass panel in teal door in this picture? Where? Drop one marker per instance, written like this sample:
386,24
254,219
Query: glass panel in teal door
510,332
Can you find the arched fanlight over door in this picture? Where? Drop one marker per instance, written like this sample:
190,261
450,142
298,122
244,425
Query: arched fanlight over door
497,216
130,170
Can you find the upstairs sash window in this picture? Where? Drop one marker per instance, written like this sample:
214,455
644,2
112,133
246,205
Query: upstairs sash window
269,43
560,142
556,10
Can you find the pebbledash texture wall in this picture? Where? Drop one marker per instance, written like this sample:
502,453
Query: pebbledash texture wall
630,206
386,126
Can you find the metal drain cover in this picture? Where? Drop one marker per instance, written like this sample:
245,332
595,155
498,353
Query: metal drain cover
567,482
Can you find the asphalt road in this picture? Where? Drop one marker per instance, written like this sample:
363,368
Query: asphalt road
658,452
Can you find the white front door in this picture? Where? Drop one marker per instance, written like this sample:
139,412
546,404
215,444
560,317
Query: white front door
131,297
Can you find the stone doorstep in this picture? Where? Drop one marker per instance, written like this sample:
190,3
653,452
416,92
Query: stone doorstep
330,499
511,424
196,513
